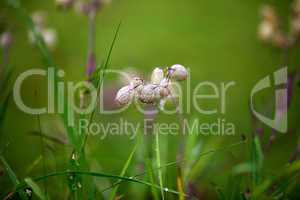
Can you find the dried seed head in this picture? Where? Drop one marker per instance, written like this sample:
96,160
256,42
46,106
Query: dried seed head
124,95
164,92
149,94
157,76
178,72
137,84
64,4
266,30
6,40
136,81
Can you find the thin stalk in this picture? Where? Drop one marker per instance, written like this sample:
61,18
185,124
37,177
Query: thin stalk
5,56
99,84
91,60
96,174
124,169
14,179
155,143
157,150
43,152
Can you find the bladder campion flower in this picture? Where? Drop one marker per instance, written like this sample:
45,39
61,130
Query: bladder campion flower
124,95
157,76
155,91
178,72
48,34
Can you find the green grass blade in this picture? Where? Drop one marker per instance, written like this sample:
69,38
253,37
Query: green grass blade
3,109
180,183
192,150
124,169
233,188
10,172
99,75
288,171
284,185
105,65
150,175
194,169
13,177
158,163
35,188
150,170
257,161
34,164
99,175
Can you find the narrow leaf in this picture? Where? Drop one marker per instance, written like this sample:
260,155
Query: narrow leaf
124,169
13,177
35,188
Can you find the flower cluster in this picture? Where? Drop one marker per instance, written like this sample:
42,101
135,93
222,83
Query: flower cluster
48,34
81,6
64,4
158,89
270,31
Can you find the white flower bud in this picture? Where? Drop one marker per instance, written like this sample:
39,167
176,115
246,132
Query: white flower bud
38,19
50,38
49,35
157,76
150,94
178,72
124,95
265,31
64,4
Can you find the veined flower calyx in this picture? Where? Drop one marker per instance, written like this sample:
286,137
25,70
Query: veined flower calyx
155,91
178,72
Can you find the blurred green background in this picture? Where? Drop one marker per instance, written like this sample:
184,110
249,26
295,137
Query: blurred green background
216,40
